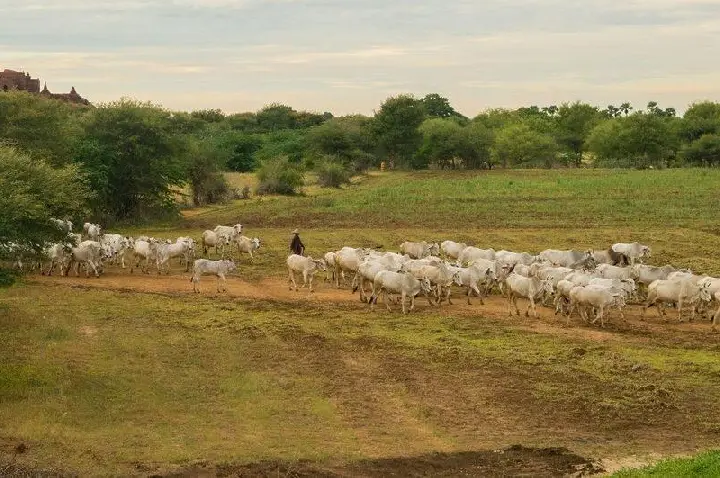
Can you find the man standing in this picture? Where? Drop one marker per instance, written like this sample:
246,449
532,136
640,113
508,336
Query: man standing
296,245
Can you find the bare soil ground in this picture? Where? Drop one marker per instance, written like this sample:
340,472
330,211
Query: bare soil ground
633,328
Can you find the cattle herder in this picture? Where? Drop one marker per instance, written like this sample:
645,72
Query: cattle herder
296,245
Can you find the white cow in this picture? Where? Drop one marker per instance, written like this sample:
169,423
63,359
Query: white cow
143,249
530,288
165,252
596,296
633,250
64,225
230,231
677,292
452,249
510,258
366,272
212,239
88,253
58,254
614,272
218,268
307,266
565,258
648,274
245,244
93,231
399,283
348,259
418,250
471,254
470,277
440,277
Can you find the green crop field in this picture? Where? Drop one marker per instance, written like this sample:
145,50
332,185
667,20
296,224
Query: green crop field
134,375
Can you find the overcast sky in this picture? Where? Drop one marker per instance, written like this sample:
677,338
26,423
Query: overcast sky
347,56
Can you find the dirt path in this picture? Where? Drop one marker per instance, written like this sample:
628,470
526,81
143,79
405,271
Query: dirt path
496,308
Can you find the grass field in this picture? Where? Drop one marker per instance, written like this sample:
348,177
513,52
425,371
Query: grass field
135,375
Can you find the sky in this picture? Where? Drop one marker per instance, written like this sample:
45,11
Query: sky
348,56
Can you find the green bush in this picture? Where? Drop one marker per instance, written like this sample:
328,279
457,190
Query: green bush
280,176
331,173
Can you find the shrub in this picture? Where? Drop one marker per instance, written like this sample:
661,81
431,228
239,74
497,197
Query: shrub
331,173
280,176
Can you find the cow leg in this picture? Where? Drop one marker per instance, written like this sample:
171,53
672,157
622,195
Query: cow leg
224,282
310,281
291,279
402,301
534,307
479,294
715,317
94,268
385,298
305,279
679,306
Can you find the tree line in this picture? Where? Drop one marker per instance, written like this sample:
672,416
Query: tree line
134,158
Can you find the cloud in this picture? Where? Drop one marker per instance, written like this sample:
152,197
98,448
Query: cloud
347,56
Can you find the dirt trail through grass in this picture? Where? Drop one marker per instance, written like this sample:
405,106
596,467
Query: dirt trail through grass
633,328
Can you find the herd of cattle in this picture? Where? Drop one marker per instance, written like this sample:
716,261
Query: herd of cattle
94,249
587,281
590,282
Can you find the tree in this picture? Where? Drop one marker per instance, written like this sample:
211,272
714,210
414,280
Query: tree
288,143
640,140
45,128
396,127
704,151
134,158
240,149
33,192
437,106
243,122
276,117
441,142
573,125
205,162
448,144
347,139
653,109
612,111
209,116
700,119
280,176
519,145
625,108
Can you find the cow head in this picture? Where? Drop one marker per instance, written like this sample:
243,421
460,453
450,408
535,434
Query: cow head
644,251
320,264
255,243
425,285
705,292
238,228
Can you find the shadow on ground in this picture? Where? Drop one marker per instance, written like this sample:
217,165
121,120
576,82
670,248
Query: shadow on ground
513,461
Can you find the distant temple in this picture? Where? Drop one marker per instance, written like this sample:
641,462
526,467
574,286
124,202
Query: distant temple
16,80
